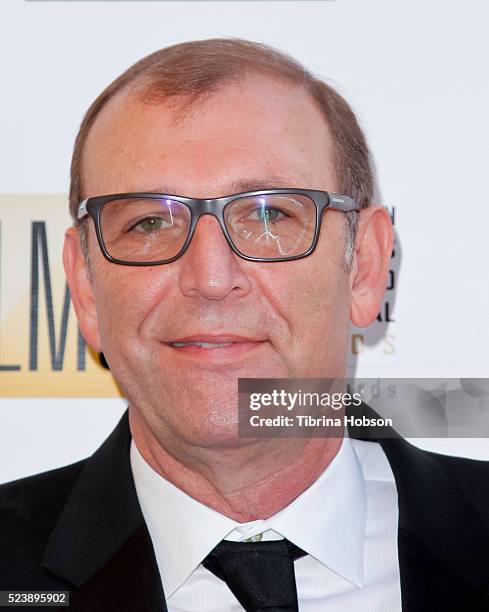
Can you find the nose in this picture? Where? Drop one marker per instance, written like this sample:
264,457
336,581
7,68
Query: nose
209,268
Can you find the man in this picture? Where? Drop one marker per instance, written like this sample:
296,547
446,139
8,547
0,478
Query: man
195,260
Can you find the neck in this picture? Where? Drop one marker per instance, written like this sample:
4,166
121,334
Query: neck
245,483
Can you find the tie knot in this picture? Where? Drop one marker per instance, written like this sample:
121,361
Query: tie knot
260,574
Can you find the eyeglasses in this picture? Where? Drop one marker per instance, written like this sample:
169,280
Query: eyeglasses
147,229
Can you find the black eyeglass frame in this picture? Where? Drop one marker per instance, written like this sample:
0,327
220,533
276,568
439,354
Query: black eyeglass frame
215,207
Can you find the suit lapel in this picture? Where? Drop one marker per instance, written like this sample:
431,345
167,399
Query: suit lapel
443,541
443,538
129,581
100,544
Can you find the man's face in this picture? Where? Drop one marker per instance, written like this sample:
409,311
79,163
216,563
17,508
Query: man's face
282,319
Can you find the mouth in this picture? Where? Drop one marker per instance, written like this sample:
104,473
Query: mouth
206,345
215,347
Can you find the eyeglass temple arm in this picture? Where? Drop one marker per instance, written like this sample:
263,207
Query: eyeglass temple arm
339,201
82,209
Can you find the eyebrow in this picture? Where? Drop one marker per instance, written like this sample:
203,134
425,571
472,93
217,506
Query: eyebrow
255,184
274,182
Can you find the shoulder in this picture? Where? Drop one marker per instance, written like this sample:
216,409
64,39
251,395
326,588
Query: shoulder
471,476
458,467
29,508
32,499
418,470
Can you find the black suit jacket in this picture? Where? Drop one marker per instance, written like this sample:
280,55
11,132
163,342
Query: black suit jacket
79,528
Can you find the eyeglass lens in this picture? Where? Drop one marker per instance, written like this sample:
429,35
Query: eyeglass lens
265,226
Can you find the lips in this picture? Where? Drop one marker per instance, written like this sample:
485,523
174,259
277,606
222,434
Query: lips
213,342
207,345
218,351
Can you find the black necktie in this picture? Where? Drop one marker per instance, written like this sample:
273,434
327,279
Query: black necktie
260,574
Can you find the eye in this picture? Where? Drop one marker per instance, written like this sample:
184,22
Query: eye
267,213
149,225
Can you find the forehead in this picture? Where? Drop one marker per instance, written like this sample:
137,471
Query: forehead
259,130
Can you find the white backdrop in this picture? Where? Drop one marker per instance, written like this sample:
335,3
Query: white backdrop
414,71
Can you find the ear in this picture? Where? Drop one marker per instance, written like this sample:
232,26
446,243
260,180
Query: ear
81,289
373,250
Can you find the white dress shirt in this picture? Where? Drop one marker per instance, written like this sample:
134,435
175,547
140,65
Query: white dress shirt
346,521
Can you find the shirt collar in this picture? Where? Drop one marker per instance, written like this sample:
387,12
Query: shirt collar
327,520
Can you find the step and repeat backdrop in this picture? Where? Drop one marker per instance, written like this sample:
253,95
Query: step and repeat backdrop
413,71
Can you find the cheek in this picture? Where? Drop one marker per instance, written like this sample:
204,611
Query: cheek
308,293
125,298
324,336
311,302
124,295
323,308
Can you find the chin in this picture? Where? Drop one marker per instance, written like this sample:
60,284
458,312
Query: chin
214,424
221,422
